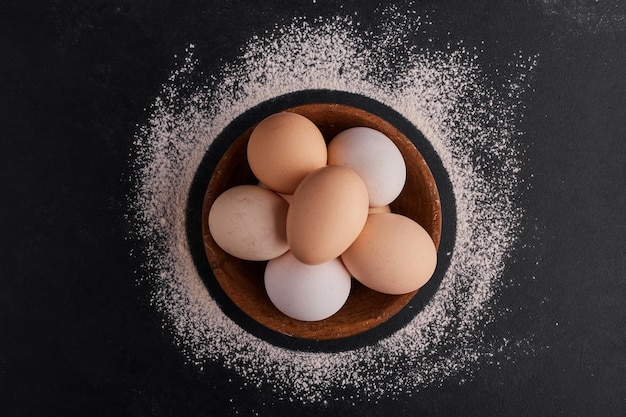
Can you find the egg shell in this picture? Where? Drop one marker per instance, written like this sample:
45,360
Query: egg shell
380,209
392,255
248,222
327,213
286,197
307,292
373,156
283,148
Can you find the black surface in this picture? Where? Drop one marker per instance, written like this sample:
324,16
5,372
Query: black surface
78,335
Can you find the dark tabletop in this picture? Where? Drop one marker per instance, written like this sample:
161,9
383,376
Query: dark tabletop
79,334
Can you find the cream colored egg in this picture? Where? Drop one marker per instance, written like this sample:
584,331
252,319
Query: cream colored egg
393,254
283,148
286,197
327,213
248,222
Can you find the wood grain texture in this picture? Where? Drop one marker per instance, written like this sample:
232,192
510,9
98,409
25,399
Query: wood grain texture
365,309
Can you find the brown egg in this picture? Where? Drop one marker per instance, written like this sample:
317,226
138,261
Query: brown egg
393,254
327,213
283,149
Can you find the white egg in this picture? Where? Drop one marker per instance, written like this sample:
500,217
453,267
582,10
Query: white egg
376,159
307,292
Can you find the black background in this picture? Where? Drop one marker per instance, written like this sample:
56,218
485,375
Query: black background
78,335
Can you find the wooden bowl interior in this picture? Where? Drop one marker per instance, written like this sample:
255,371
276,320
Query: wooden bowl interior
242,281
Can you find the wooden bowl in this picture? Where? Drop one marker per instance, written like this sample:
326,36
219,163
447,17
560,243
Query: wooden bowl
365,309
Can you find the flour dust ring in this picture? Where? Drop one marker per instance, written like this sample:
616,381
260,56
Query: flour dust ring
468,115
232,132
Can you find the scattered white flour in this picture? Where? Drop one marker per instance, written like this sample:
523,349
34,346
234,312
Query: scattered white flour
445,94
594,16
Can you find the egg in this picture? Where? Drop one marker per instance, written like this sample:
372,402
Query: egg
376,159
283,148
392,255
380,209
286,197
327,212
307,292
248,221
